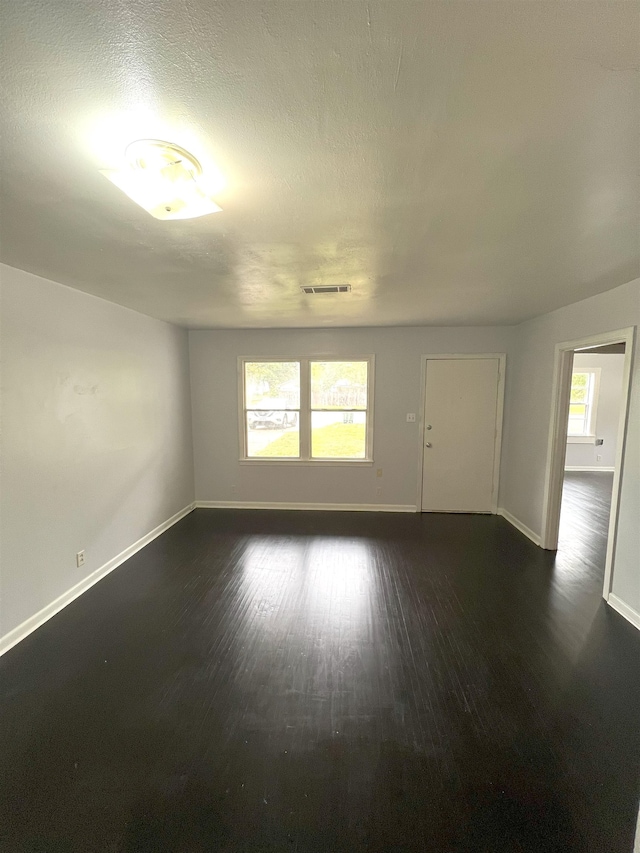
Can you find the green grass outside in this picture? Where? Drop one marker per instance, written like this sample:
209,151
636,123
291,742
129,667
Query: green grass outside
336,441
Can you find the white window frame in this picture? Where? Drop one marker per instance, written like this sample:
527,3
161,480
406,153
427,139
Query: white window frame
304,421
592,408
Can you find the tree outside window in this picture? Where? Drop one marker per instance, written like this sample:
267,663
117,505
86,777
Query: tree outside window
582,404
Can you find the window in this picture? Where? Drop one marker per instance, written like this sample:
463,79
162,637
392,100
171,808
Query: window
308,410
583,404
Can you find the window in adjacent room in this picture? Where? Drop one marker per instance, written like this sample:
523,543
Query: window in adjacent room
306,410
583,404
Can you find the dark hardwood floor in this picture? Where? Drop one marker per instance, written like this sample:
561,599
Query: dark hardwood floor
584,519
327,682
582,546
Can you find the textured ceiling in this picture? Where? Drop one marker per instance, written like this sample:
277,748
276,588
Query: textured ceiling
456,163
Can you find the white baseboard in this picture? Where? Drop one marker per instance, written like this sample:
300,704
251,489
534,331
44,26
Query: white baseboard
298,506
624,610
29,625
588,468
520,526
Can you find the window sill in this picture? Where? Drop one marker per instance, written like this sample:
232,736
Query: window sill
310,463
581,439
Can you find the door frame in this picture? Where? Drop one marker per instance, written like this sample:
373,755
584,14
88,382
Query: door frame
502,362
557,442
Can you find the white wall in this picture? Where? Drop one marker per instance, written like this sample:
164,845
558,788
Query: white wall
220,476
611,367
96,436
529,390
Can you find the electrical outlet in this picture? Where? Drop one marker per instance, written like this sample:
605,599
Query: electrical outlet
379,472
80,559
599,458
411,418
378,491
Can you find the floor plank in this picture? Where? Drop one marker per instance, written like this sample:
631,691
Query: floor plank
270,681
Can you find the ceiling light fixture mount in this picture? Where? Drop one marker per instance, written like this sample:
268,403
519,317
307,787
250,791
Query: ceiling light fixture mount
165,179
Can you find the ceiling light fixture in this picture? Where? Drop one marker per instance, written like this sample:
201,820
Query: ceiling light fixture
165,180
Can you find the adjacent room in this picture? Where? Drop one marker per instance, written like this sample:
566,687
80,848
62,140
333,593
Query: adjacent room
319,427
597,405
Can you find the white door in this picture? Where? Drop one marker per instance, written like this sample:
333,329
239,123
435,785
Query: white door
460,418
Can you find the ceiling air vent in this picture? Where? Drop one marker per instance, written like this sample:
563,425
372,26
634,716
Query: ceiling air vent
330,288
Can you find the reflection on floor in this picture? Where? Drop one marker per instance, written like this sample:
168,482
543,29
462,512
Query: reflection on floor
584,522
257,682
582,545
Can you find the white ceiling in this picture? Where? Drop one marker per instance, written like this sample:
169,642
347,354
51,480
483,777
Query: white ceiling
456,163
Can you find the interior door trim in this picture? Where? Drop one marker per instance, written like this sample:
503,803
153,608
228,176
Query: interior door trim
502,364
557,441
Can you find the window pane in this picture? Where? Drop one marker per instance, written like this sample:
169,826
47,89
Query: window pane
578,410
273,433
338,435
580,383
576,426
272,384
339,384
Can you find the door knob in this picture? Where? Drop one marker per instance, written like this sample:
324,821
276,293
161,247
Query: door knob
428,426
428,444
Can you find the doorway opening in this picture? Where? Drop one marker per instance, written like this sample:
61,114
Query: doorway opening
586,450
